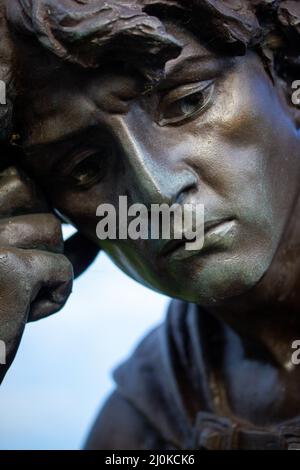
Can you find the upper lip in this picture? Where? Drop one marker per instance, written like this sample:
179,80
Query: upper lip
172,245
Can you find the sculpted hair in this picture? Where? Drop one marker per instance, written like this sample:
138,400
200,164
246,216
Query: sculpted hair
88,32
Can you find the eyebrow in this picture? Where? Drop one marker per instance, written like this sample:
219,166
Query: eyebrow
191,68
63,140
191,60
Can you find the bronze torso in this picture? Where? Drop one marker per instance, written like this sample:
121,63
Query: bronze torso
175,379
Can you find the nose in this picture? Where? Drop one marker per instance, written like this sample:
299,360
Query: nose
152,177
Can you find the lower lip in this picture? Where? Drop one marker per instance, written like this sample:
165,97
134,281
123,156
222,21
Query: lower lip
217,233
218,236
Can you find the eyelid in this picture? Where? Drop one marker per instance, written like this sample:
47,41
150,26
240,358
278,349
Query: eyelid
184,91
175,96
74,161
74,158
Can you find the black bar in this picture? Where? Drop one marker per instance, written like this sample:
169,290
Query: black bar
145,459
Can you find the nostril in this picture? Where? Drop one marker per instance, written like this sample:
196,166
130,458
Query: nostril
183,193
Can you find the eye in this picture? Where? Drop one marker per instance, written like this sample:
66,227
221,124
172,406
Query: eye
88,171
185,102
86,168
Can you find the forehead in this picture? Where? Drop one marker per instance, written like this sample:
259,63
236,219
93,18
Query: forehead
74,101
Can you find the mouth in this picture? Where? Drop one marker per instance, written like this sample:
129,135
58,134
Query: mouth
215,231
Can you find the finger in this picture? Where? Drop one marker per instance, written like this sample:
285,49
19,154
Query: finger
81,252
18,194
33,284
51,283
32,231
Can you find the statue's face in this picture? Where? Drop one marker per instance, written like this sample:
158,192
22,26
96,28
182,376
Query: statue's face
215,132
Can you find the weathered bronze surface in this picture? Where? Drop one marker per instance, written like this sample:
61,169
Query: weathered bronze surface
173,101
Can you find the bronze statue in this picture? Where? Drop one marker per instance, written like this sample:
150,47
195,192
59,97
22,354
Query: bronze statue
164,101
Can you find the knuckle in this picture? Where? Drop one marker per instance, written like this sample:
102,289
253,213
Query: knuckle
32,231
52,232
18,194
13,270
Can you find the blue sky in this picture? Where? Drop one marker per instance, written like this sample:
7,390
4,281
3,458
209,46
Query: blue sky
62,372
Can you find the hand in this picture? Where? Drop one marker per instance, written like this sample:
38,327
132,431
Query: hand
35,277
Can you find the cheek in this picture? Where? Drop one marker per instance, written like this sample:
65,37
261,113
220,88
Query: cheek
258,138
240,147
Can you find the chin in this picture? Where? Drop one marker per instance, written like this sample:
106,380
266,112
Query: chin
223,279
